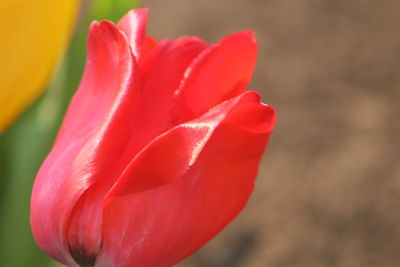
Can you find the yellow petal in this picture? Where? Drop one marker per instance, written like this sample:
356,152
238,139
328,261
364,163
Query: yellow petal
33,34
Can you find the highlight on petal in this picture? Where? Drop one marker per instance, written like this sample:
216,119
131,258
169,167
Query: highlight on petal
158,151
96,125
27,54
185,186
133,25
161,72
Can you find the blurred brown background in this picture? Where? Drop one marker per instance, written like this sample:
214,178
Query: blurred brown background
328,192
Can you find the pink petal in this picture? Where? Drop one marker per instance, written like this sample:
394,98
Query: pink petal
133,25
161,72
219,73
186,186
95,127
148,44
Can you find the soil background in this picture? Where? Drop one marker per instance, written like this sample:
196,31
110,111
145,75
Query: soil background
328,190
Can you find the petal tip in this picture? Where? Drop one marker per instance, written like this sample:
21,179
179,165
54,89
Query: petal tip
247,36
102,28
141,14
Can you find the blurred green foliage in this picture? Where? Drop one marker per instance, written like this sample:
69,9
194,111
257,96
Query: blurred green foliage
111,9
24,146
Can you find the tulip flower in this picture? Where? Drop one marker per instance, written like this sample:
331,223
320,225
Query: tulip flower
33,35
158,151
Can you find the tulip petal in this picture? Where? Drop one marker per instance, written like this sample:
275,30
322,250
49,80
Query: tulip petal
219,73
186,186
33,36
133,25
148,44
96,125
161,72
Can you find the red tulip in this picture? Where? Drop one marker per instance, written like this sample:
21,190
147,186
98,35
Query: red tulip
158,151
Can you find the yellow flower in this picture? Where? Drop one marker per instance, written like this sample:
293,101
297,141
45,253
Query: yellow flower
33,35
